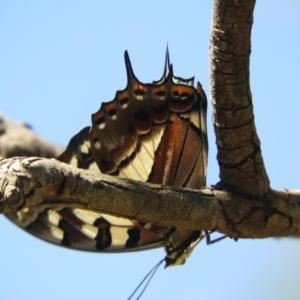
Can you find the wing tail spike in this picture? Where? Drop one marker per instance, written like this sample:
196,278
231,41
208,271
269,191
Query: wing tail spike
167,69
167,63
129,70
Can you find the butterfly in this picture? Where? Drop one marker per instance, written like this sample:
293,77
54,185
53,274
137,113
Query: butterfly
154,132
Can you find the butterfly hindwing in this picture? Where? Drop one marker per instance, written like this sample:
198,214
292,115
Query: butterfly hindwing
148,132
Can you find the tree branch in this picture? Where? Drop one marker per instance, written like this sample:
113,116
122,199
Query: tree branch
239,153
17,139
27,182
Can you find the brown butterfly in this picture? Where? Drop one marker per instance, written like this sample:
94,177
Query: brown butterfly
149,132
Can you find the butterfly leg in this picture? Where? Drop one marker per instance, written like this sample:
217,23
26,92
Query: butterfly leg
209,241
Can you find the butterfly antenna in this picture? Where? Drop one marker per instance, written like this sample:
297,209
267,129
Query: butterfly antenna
151,274
154,271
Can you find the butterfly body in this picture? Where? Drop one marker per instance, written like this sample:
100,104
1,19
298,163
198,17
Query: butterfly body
149,132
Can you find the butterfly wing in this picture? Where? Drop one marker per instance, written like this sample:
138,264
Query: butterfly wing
148,132
82,229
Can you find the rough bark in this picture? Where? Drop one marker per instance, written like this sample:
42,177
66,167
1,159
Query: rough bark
242,205
239,153
17,139
27,182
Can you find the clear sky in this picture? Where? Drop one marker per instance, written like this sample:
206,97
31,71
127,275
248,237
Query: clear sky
60,59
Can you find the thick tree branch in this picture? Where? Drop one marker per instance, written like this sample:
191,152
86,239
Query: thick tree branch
17,139
239,153
27,182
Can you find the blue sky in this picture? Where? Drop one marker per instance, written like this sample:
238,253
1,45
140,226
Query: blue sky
60,59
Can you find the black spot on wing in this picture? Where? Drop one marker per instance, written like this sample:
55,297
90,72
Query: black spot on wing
103,238
134,237
62,225
85,160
